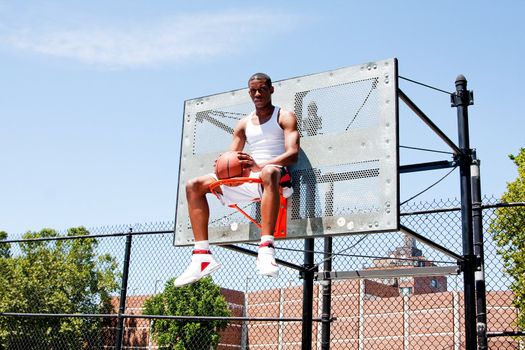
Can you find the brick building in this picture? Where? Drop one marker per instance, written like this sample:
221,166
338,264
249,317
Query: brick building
369,315
409,256
380,314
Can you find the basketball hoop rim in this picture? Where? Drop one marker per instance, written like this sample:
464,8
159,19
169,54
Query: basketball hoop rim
280,228
234,181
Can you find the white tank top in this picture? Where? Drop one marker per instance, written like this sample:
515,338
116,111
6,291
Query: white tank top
265,141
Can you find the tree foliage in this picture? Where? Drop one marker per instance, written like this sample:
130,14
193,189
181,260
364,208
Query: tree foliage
509,235
202,298
55,277
4,247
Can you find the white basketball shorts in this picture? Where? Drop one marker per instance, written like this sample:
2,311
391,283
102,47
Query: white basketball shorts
248,192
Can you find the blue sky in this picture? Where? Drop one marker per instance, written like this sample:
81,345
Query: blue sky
92,93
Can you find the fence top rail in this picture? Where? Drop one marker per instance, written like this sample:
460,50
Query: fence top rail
138,233
446,210
101,235
160,317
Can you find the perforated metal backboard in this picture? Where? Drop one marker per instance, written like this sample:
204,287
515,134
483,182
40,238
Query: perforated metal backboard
346,179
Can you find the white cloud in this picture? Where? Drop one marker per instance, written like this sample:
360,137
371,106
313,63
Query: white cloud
179,39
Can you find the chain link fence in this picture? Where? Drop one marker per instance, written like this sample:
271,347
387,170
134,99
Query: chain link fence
389,311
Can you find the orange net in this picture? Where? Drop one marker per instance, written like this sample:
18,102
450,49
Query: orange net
280,225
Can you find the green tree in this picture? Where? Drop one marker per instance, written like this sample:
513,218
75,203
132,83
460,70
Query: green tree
54,277
4,247
202,298
509,234
5,278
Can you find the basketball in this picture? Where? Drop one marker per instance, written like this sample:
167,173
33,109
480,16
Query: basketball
228,166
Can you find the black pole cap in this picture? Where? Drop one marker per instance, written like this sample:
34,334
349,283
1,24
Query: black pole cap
461,80
462,97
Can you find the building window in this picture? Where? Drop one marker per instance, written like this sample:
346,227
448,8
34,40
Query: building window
406,290
434,283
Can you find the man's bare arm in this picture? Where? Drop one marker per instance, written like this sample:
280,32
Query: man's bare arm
288,122
239,136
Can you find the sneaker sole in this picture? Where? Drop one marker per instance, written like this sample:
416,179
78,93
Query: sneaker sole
204,274
211,270
271,274
268,274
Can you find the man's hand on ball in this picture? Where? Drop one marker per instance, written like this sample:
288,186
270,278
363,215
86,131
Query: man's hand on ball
248,162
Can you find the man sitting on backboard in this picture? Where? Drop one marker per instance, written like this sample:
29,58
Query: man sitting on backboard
273,141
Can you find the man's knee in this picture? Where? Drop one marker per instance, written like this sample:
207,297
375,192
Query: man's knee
197,186
270,175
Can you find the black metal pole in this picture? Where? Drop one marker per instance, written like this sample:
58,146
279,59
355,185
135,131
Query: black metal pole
308,293
312,127
327,296
481,297
123,293
461,99
326,311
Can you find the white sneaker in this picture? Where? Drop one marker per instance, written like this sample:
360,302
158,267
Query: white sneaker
266,260
202,264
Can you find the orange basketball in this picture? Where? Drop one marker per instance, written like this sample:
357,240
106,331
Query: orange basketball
228,166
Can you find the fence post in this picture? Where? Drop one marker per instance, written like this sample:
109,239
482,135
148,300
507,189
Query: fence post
362,295
326,285
481,297
244,327
123,292
308,293
327,296
461,100
406,322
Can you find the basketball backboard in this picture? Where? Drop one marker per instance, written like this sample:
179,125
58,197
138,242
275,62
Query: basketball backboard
346,180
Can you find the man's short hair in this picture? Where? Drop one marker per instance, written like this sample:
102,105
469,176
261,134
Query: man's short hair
261,76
